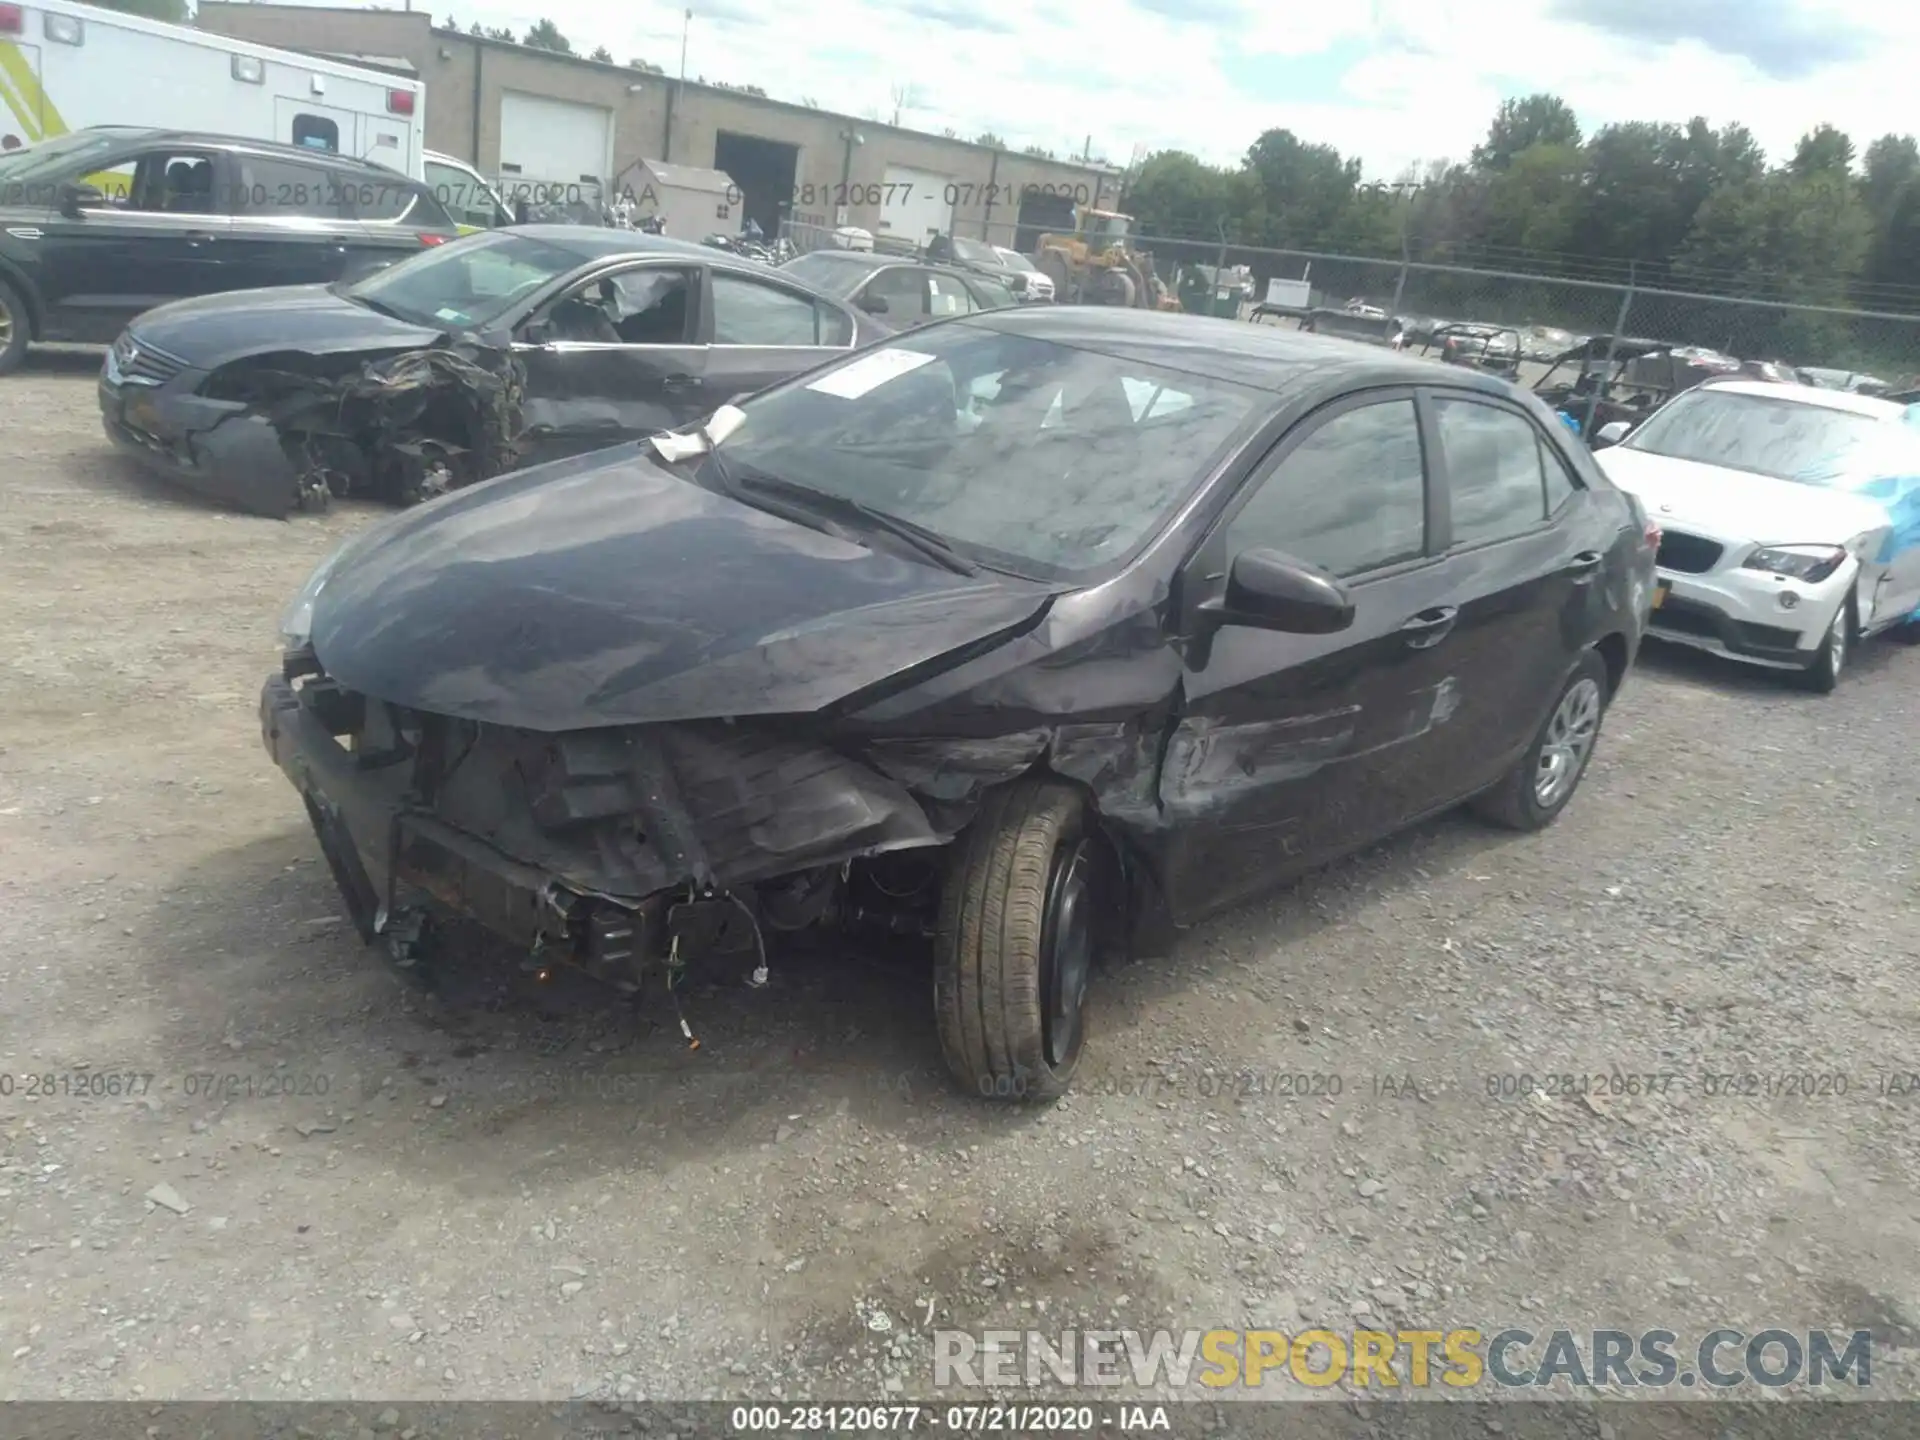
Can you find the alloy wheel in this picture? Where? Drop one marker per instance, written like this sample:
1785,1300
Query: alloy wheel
1837,639
1570,735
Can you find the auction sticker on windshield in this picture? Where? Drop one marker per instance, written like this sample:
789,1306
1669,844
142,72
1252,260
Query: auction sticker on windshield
869,372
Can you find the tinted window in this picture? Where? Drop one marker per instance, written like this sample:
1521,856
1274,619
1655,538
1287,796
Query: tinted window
745,312
645,306
905,291
273,187
1050,459
164,181
949,297
1349,498
392,200
1560,481
836,328
1493,463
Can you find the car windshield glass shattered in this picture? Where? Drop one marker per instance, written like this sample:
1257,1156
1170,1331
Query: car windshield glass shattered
1784,439
1040,458
468,283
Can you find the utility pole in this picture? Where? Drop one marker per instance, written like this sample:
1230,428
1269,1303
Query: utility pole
685,26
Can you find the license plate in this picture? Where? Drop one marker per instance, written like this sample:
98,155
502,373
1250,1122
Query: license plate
1659,595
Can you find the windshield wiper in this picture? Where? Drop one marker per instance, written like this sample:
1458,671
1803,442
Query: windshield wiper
859,514
379,308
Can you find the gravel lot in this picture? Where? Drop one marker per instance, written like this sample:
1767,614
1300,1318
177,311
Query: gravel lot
370,1190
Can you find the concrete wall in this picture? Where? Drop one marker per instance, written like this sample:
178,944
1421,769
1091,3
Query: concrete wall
656,118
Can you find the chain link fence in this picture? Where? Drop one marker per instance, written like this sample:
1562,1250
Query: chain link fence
1541,316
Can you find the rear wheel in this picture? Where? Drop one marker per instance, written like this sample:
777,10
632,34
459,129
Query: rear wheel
15,328
1532,794
1019,927
1829,663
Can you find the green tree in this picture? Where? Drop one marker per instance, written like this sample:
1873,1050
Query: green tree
602,54
990,140
645,67
1890,190
1534,202
545,35
1521,124
1299,194
1822,150
1178,196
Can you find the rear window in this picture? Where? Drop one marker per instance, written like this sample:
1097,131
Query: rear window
399,201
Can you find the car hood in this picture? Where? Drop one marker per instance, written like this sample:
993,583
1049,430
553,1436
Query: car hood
608,590
1734,504
213,330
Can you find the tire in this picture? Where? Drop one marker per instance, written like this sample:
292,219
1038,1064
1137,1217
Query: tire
15,329
1524,799
1829,663
1016,943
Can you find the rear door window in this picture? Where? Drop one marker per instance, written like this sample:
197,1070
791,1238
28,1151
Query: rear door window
1497,483
269,187
747,312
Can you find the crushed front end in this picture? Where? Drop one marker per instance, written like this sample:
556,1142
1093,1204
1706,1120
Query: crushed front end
616,850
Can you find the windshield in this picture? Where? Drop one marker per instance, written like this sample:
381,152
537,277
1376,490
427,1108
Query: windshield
1762,434
1034,457
833,271
56,158
469,283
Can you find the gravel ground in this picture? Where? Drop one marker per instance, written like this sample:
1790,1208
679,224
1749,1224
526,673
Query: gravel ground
338,1185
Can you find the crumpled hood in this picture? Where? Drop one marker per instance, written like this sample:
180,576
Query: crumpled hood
1729,504
607,590
213,330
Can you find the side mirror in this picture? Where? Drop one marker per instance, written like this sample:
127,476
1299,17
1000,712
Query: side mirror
75,197
874,304
537,332
1612,433
1268,591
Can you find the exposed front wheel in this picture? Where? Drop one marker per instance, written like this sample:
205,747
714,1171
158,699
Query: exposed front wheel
1532,794
1019,924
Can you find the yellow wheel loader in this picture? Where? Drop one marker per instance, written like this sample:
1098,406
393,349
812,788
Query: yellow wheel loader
1095,265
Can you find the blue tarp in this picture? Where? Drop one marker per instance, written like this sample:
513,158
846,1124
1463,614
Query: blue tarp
1885,468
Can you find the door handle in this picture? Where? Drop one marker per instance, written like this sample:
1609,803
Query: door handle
1430,627
679,382
201,237
1584,566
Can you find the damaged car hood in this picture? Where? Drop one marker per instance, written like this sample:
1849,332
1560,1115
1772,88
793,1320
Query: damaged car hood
213,330
608,590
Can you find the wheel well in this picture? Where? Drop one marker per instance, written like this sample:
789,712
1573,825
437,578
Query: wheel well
29,298
1613,650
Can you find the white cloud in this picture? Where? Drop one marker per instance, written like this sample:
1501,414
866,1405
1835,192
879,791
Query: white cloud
1151,73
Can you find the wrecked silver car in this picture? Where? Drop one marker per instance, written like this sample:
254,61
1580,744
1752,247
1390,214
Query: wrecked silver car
500,350
1030,635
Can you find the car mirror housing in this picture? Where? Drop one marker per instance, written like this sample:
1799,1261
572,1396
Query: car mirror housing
76,196
1612,433
1268,591
874,304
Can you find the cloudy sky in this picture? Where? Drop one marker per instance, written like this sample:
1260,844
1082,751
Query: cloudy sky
1393,81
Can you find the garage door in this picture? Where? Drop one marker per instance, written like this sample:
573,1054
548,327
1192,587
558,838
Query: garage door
556,141
914,205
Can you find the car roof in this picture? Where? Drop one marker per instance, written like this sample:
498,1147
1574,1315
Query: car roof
1263,357
596,242
208,140
1870,406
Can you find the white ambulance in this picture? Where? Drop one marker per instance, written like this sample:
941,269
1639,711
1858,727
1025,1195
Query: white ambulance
65,67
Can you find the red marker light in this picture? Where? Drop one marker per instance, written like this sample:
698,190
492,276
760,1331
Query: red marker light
400,102
13,19
427,237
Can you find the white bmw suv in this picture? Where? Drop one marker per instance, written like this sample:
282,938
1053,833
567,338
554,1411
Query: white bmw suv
1790,520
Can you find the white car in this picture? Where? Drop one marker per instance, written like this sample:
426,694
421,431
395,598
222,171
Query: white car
1039,287
1790,520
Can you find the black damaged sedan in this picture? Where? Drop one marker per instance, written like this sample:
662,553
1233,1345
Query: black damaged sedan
1036,634
491,353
